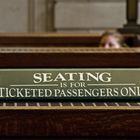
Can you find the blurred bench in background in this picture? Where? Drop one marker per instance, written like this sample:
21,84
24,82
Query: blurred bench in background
57,39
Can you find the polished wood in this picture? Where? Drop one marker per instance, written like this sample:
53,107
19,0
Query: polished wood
62,57
70,123
57,40
97,122
103,120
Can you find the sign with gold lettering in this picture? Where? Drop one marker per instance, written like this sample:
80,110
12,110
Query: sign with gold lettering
69,84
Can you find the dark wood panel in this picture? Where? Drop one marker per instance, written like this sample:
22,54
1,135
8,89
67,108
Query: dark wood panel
77,57
57,39
103,123
98,123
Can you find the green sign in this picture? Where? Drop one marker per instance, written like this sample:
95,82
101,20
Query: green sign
69,84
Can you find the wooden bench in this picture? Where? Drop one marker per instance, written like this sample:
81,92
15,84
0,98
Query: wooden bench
57,40
68,57
69,120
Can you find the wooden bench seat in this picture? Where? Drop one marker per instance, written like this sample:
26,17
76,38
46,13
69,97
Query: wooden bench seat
57,40
67,57
64,120
70,120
